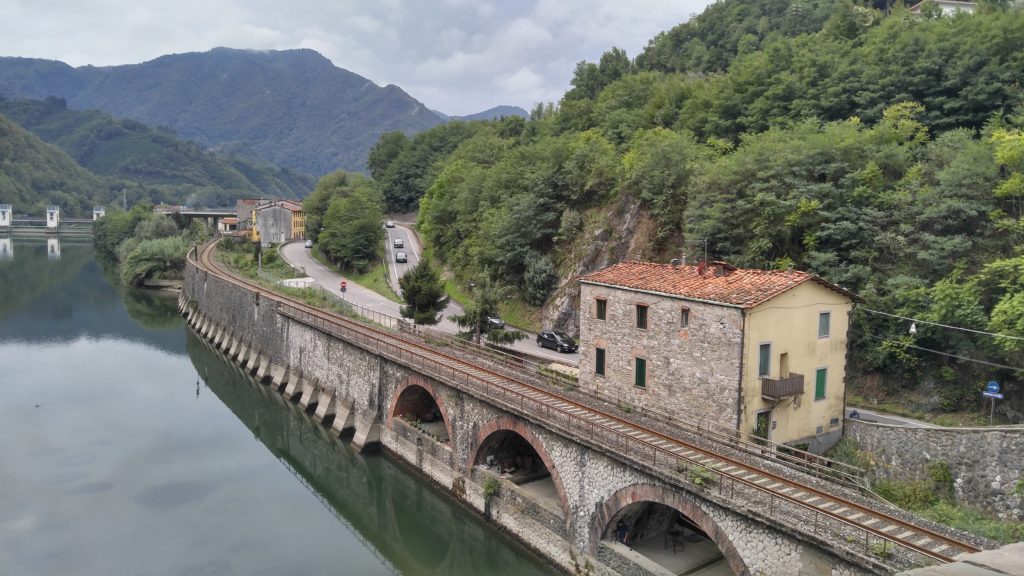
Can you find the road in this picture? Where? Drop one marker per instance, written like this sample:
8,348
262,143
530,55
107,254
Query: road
869,416
299,257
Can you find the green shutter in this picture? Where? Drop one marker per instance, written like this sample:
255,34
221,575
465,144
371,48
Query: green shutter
641,373
819,383
599,361
764,360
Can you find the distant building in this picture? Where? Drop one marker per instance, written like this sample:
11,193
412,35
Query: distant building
6,214
52,217
763,351
227,225
948,7
278,221
98,212
243,210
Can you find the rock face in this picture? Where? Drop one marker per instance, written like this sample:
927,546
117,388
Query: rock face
987,464
616,237
293,108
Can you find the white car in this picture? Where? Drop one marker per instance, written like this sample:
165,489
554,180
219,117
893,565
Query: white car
309,243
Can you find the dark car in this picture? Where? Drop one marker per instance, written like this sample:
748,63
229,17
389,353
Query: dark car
401,257
556,340
495,322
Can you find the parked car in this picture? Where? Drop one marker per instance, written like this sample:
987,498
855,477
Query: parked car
389,224
495,322
309,243
399,243
556,340
401,257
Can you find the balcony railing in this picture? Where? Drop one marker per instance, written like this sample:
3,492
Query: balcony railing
780,388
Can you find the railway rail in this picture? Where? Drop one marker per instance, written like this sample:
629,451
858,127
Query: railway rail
868,532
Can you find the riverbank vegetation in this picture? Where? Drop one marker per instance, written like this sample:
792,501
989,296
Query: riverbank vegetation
884,153
147,246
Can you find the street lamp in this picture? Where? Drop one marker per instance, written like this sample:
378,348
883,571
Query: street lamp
476,314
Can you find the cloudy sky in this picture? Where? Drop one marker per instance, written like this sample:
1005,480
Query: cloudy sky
457,56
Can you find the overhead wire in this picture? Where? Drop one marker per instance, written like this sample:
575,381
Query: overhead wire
919,321
958,357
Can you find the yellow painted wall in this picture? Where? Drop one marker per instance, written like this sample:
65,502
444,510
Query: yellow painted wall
789,322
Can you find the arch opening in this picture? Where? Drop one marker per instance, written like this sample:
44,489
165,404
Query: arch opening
418,407
648,532
512,457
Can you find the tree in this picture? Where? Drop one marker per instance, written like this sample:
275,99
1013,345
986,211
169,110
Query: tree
384,152
352,231
423,293
474,318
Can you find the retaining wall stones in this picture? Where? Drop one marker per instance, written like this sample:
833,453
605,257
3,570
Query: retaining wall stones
987,464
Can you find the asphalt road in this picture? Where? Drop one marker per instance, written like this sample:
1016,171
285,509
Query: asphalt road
869,416
299,257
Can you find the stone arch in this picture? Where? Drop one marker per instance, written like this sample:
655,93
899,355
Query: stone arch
416,382
650,493
511,424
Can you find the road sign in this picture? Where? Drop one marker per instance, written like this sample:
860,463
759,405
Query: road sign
344,286
992,387
995,395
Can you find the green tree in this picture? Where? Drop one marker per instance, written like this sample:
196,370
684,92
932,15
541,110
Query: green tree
352,234
474,318
384,152
423,293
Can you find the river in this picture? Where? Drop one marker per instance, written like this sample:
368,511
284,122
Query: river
130,447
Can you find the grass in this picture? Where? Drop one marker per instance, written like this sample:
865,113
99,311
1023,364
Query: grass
931,497
374,279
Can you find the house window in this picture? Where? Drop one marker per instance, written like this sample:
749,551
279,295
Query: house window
641,316
820,378
599,361
640,380
764,360
602,308
824,321
684,318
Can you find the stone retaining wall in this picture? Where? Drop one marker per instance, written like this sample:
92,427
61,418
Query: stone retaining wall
987,463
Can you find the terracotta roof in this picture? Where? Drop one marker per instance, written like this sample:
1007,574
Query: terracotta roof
741,287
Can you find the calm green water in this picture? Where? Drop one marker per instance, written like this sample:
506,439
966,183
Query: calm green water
129,447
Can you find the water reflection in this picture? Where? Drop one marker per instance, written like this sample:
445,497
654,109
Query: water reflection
415,527
63,300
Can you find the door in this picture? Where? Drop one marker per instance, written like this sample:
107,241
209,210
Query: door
762,424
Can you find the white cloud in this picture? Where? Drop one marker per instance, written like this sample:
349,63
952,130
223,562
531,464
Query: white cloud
457,56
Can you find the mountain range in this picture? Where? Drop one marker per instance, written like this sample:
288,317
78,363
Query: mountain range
292,108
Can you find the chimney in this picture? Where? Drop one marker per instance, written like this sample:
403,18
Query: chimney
674,262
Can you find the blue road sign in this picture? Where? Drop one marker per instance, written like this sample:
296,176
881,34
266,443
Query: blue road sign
992,387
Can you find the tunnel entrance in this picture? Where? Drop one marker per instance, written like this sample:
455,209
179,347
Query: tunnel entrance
417,406
663,540
511,457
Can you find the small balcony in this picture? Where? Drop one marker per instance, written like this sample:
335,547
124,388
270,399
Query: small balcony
777,389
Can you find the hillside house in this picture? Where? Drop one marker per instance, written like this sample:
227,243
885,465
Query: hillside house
947,7
278,221
761,351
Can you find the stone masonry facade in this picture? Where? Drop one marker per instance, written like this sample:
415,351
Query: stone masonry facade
331,377
692,370
987,464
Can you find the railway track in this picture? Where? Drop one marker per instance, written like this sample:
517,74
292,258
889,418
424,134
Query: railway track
842,522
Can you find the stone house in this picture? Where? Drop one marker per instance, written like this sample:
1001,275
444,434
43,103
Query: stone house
278,221
760,351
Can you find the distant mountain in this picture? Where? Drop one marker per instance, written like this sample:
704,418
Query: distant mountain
130,150
292,108
490,114
34,174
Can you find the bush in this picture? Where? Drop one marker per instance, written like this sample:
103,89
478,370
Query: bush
540,279
154,259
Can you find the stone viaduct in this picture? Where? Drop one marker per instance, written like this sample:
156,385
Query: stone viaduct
377,393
